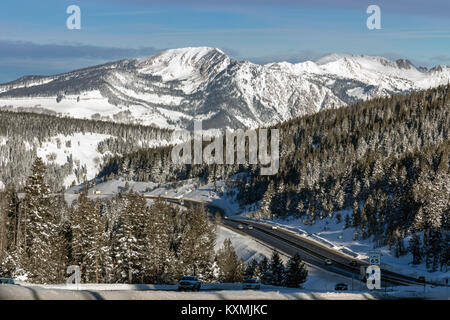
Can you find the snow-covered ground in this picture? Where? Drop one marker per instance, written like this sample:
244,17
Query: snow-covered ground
218,291
82,148
245,247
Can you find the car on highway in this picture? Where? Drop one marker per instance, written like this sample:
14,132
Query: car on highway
6,281
274,228
252,284
240,227
341,287
250,227
191,283
328,262
353,263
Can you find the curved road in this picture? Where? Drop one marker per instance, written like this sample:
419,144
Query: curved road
291,243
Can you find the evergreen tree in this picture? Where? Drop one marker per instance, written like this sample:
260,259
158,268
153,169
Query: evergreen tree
131,240
161,264
13,217
415,249
278,201
12,256
433,242
265,210
263,271
40,228
346,221
250,270
196,251
277,269
296,272
230,267
445,256
356,214
90,247
3,228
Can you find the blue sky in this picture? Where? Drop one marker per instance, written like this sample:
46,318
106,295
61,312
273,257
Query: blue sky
34,38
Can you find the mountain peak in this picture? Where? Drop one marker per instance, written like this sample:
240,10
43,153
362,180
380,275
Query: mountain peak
360,58
186,54
182,63
404,64
331,58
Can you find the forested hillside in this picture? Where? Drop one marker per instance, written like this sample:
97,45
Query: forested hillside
386,159
119,240
22,134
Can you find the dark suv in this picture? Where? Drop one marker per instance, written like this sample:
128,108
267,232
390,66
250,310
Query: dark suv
341,287
189,283
6,281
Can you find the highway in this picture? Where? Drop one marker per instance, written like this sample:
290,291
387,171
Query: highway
290,243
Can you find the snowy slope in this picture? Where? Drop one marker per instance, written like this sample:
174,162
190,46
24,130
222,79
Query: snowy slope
78,152
170,88
81,147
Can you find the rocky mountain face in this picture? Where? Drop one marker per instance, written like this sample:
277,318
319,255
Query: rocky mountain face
173,87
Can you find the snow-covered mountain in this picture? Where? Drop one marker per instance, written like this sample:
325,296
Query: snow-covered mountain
171,88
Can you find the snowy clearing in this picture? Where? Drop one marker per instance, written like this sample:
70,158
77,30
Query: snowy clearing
82,148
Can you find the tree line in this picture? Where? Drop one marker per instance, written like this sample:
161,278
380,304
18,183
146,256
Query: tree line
22,133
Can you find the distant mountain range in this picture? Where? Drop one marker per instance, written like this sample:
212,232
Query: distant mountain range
175,86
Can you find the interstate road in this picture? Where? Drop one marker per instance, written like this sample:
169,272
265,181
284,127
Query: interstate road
290,243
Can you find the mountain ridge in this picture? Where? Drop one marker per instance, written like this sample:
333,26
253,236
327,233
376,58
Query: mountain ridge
171,88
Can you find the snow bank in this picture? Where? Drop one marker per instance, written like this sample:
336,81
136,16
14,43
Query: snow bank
223,291
14,292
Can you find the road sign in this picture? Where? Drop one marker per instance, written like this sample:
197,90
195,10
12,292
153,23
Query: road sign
374,258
